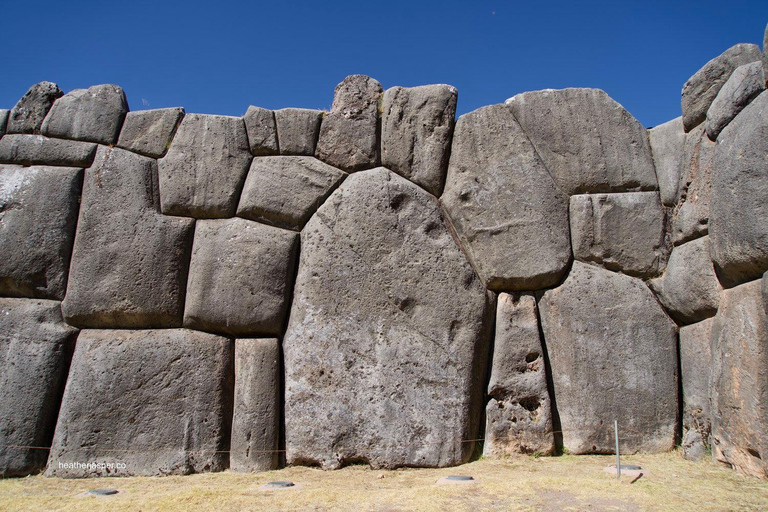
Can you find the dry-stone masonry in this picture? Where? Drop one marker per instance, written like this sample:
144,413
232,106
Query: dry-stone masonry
383,283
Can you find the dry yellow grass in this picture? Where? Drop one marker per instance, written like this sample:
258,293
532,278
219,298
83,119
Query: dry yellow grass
526,483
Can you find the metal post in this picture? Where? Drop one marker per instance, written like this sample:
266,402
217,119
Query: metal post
618,460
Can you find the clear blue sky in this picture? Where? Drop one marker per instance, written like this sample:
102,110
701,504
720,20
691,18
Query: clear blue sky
219,57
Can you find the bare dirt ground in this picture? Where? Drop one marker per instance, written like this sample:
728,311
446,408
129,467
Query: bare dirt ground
520,484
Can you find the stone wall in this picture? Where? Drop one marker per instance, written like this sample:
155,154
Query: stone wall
383,283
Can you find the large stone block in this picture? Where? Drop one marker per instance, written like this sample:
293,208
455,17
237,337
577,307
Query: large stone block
93,115
742,87
149,132
39,150
701,89
203,172
621,232
695,369
613,354
297,130
386,345
240,277
689,289
667,141
35,349
129,263
349,133
262,131
510,216
30,111
4,112
257,409
150,403
285,191
739,395
38,214
690,218
739,217
588,142
416,129
519,413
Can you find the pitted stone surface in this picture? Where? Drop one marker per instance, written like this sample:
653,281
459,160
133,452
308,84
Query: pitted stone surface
35,348
690,218
349,133
38,213
739,217
203,172
149,132
695,365
30,111
40,150
240,277
503,203
129,263
689,289
262,131
297,130
386,346
701,89
739,384
742,87
416,129
667,143
621,232
613,354
257,414
588,142
285,191
158,402
519,412
93,115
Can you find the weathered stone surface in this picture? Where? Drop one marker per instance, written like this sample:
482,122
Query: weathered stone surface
297,130
689,289
588,142
349,133
765,55
502,202
39,150
416,128
240,277
93,115
203,172
701,89
621,232
386,345
695,367
519,412
129,263
256,419
156,402
4,112
613,354
690,218
262,131
739,217
149,132
667,141
742,87
30,111
285,191
38,213
740,380
35,348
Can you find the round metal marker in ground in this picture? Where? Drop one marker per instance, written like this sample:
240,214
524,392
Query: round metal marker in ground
102,492
456,479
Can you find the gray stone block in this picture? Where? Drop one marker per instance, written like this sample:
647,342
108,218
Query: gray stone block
285,191
38,214
39,150
262,131
35,349
416,129
3,120
690,218
257,410
92,115
742,87
667,141
149,132
240,277
151,403
297,130
203,172
502,203
695,369
30,111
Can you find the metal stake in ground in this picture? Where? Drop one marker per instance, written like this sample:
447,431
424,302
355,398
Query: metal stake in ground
618,460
